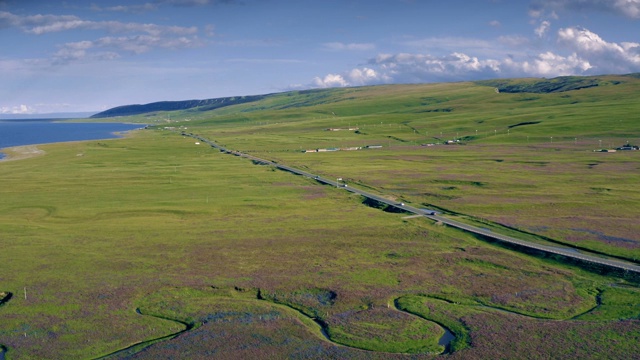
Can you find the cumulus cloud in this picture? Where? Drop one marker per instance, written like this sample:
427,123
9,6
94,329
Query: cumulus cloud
605,56
582,53
355,77
548,64
628,8
20,109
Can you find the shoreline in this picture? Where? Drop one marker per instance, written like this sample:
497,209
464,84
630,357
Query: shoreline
20,152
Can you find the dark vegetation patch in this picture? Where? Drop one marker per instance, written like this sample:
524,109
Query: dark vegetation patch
544,86
536,163
528,98
445,110
430,101
524,123
382,206
398,139
314,303
461,182
199,105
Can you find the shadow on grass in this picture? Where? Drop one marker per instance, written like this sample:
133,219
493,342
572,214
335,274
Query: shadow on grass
139,346
5,296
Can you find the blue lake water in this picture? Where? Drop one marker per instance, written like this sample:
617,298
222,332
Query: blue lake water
31,132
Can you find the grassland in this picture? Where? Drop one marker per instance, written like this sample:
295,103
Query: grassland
109,244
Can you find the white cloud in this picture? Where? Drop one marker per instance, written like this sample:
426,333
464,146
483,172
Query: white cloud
20,109
355,77
548,64
78,51
628,8
542,29
495,23
43,24
330,80
127,8
605,56
142,38
338,46
581,52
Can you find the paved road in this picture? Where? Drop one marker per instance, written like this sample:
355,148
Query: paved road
570,253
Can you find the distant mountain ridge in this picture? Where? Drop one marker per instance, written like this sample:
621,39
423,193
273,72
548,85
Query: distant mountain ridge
61,116
317,96
199,105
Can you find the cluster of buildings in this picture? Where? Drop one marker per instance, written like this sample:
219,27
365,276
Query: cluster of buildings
343,149
628,147
625,147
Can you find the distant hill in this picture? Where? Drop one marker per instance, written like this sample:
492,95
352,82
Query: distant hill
199,105
545,86
316,97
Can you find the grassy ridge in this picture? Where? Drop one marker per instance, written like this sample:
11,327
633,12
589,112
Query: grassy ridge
94,230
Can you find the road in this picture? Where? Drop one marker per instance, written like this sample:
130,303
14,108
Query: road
569,253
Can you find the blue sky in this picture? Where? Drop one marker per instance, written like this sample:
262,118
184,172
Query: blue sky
65,56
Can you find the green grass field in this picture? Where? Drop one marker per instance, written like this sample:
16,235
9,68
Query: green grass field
155,247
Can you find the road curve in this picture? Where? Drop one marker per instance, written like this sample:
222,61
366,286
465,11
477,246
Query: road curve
569,253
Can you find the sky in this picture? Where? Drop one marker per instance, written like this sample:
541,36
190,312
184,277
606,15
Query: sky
92,55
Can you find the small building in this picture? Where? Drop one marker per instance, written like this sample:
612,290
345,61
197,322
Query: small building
374,146
628,147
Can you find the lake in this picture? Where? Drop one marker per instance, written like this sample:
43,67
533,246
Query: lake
43,131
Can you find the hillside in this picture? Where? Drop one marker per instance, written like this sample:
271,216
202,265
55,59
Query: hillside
200,105
306,98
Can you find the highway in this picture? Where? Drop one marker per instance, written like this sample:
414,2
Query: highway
566,252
